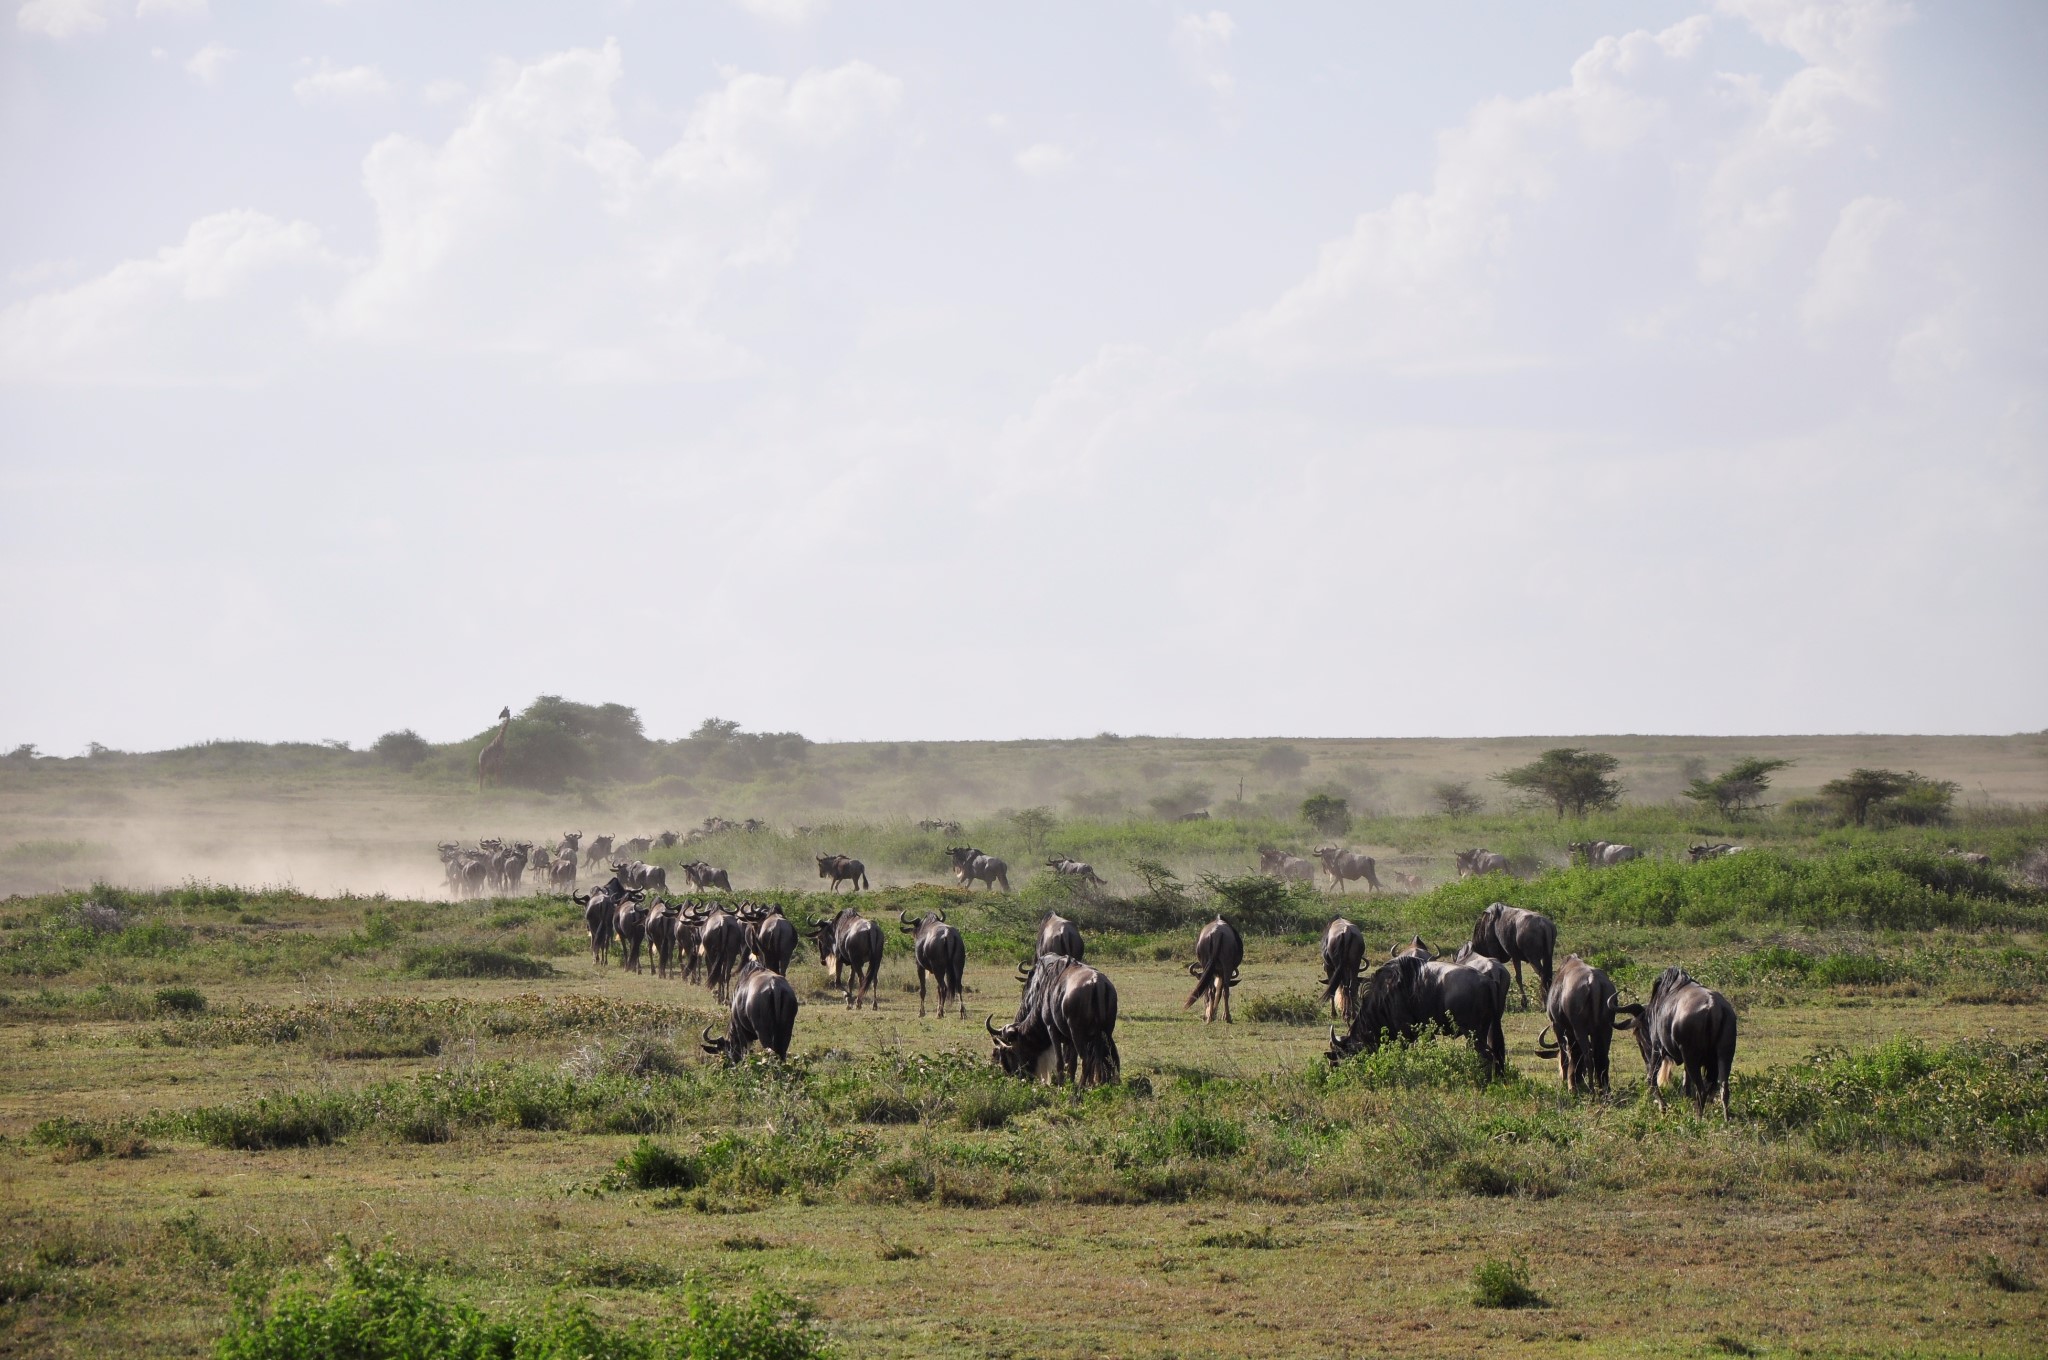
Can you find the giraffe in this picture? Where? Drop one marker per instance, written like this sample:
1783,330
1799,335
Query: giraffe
490,761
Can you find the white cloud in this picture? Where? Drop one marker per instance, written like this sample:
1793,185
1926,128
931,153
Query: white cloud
794,13
353,82
62,18
444,91
1846,279
172,9
1043,158
210,62
1202,42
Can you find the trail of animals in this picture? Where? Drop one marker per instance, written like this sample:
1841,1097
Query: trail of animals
1065,1026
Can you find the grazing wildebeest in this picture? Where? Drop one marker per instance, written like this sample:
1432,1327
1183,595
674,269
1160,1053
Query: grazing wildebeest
631,928
1285,867
1684,1025
850,948
770,937
1581,1008
1344,865
937,949
638,874
639,845
1471,862
971,866
661,933
1408,882
842,869
722,944
1065,1027
939,824
1069,867
1201,816
1515,936
1343,952
763,1011
598,851
1219,949
702,876
1058,935
1415,948
1405,996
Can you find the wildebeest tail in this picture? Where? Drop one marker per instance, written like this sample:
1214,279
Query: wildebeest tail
1209,975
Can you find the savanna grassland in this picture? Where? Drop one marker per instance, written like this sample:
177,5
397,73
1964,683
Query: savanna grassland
236,1116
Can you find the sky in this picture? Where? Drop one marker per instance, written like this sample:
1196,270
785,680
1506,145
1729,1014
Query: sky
901,370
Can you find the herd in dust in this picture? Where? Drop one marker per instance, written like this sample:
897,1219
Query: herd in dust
1064,1029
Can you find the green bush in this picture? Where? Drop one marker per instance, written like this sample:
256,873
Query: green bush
1503,1284
468,961
650,1166
1293,1008
180,1000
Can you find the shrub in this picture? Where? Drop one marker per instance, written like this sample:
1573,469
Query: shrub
1293,1008
651,1166
180,1000
1327,813
402,749
1263,905
465,961
1503,1284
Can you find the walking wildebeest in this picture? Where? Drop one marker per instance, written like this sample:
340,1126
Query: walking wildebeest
649,877
938,950
662,922
763,1011
631,928
842,869
1603,854
600,917
666,839
639,845
1581,1008
1972,857
771,937
1343,952
571,841
598,851
1472,862
1219,949
1515,936
1405,996
1285,867
850,948
1058,935
562,874
1408,882
1684,1025
1065,1027
1068,867
1344,865
971,866
722,944
702,876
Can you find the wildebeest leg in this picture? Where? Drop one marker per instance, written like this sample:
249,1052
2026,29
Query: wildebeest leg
1226,1004
920,995
1519,988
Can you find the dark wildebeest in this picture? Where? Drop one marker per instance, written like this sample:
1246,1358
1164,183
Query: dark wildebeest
648,877
666,839
702,876
600,918
1685,1025
1405,996
1069,867
598,851
770,937
850,948
1581,1008
1515,936
639,845
1344,865
631,927
971,866
937,949
1415,948
722,944
1065,1027
512,870
763,1011
662,922
1696,853
1201,816
571,841
562,874
1343,952
1219,949
1471,862
1972,857
1058,935
842,869
939,824
1285,867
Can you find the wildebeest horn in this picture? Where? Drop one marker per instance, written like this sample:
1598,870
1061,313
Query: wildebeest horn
711,1045
991,1024
1549,1050
1195,969
942,915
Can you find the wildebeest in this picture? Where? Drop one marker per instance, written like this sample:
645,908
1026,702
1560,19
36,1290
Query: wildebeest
1482,861
1344,865
842,869
770,937
1343,952
1408,882
971,866
1580,1008
1696,853
703,876
562,873
631,927
639,845
1684,1025
598,851
1415,948
571,841
1515,936
1405,996
763,1011
600,917
1603,854
638,874
1285,867
666,839
937,949
1219,949
1065,1026
1069,867
1976,857
662,922
1058,935
850,948
722,944
951,828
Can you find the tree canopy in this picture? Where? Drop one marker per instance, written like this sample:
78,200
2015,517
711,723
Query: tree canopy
1567,778
1908,797
1739,788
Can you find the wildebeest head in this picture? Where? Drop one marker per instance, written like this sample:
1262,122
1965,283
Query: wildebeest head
1415,948
1387,1006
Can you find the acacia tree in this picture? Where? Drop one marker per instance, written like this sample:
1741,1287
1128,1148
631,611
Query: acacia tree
1912,796
1454,798
1327,813
1738,789
1568,779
